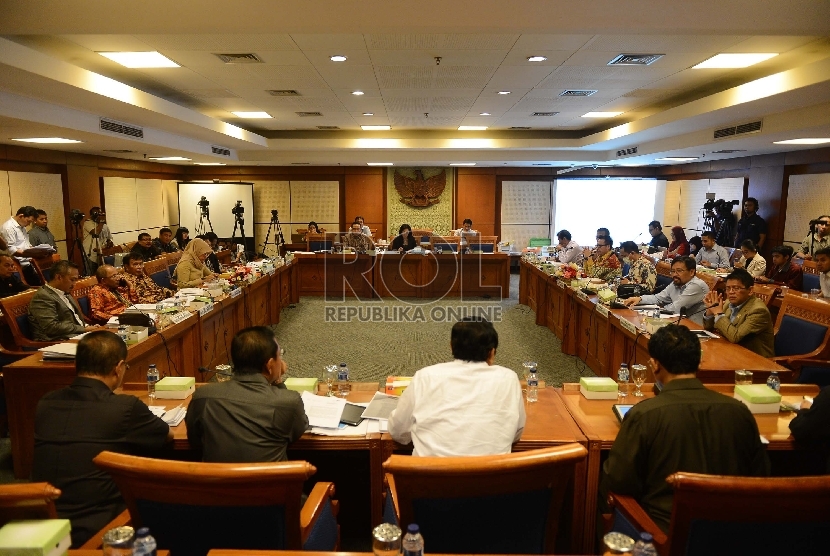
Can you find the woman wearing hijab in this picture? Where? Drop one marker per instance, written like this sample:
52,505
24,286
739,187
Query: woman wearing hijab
191,270
679,246
182,238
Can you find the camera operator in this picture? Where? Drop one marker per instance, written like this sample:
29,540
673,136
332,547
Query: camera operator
97,237
818,238
724,223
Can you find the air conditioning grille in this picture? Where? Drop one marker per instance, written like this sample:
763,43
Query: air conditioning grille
121,128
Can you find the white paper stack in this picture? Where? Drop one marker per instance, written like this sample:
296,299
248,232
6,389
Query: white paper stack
64,351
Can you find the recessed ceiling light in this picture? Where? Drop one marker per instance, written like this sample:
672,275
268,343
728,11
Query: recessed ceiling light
679,158
376,127
536,58
357,93
47,140
804,141
736,60
485,114
504,92
601,114
209,163
462,163
472,127
338,58
140,59
253,115
379,164
368,114
168,158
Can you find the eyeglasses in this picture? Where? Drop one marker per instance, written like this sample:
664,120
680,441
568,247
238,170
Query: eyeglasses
673,271
823,223
735,288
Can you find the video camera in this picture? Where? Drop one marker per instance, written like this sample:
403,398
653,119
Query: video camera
76,217
720,205
238,210
203,202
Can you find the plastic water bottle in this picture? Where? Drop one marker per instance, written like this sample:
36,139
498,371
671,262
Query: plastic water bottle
413,542
343,386
532,385
152,378
159,307
773,381
644,546
123,333
144,544
622,380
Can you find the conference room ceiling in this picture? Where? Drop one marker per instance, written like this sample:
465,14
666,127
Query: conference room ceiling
424,68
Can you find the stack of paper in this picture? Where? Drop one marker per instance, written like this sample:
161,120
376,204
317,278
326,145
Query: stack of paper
323,411
170,416
64,351
381,406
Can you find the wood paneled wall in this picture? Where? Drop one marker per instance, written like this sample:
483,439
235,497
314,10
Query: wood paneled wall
477,200
365,196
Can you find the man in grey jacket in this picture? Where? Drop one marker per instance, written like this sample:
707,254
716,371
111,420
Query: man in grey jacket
685,293
53,313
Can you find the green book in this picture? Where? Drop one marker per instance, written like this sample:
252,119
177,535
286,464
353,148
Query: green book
598,384
44,537
175,383
757,393
302,384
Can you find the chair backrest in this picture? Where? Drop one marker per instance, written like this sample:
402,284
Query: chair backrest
485,244
318,242
127,247
809,267
764,292
422,235
157,270
810,282
446,242
714,514
27,501
662,282
43,264
19,272
802,327
81,292
16,314
663,268
253,506
172,260
519,496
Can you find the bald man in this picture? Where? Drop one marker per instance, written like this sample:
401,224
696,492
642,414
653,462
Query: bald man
105,301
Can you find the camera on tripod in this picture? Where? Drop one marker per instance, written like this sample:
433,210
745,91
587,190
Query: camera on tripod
203,202
720,205
238,210
76,217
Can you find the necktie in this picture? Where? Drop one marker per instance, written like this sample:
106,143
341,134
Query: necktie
78,317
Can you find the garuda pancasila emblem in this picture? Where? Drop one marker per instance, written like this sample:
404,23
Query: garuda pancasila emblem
420,192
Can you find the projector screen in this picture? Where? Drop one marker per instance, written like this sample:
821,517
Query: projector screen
222,198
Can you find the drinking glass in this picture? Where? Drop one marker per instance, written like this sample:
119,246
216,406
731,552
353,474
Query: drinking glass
386,540
815,293
638,375
742,376
330,376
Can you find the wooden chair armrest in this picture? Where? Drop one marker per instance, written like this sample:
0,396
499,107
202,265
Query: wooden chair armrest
314,506
96,542
35,344
389,483
637,516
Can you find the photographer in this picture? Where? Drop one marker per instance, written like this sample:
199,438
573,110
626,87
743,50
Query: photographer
819,238
97,237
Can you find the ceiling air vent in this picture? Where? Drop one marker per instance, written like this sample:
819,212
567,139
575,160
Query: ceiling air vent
544,113
740,129
577,93
282,93
327,127
729,151
121,128
635,59
626,152
246,58
309,114
545,164
119,151
301,163
222,151
518,127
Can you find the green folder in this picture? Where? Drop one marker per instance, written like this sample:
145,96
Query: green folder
35,537
598,384
757,393
175,383
302,384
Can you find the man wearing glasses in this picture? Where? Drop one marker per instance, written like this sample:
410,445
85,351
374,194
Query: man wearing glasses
815,241
683,296
603,262
744,319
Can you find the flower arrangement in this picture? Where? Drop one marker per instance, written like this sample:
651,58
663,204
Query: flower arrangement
570,271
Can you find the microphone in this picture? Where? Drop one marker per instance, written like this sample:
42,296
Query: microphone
683,312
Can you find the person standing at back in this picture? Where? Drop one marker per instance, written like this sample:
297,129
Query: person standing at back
40,233
658,238
751,226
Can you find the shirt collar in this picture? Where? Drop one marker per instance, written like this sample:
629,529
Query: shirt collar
736,308
684,384
250,377
56,290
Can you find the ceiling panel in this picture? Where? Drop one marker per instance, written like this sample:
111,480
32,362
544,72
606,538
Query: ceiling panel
351,76
663,44
510,76
221,43
109,43
404,77
334,42
479,41
552,41
427,57
462,77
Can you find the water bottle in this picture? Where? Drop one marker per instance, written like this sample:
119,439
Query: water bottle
123,333
152,378
532,385
159,307
622,380
144,544
644,546
413,542
773,381
343,386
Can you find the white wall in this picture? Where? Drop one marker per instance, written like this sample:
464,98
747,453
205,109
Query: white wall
808,197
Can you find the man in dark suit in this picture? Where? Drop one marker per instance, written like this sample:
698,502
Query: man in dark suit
9,283
53,313
145,247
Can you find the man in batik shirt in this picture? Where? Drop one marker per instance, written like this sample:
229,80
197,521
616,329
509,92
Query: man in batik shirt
140,287
357,239
105,301
642,270
603,262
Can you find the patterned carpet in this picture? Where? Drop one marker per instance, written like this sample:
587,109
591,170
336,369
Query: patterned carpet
375,348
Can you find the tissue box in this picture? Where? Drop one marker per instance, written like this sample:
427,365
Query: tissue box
302,384
759,398
136,334
175,387
395,385
45,537
655,324
598,387
606,296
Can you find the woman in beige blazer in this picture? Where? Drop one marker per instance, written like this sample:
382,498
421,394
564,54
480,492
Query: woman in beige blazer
191,270
754,263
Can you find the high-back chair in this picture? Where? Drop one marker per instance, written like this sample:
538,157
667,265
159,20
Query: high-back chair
194,507
715,514
318,242
447,243
172,260
765,293
18,272
43,266
157,270
485,244
15,310
422,235
802,330
27,501
512,501
810,277
81,293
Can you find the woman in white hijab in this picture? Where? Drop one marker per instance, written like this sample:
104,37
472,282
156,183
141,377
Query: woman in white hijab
191,270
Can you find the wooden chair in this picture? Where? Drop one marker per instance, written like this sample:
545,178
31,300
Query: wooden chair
422,235
713,514
172,260
158,271
127,247
43,265
244,506
810,277
81,294
518,498
765,293
447,243
802,330
16,314
318,242
19,272
485,244
27,501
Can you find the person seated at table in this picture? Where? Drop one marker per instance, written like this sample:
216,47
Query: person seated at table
9,283
144,247
364,229
603,263
567,250
78,422
695,245
679,246
822,260
53,313
182,238
712,255
642,270
784,271
466,228
212,261
404,241
745,319
751,260
658,238
191,271
686,428
357,240
252,417
811,426
814,241
105,301
313,228
683,296
466,407
164,242
140,287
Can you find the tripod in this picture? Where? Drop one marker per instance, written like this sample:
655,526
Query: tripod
239,223
279,241
204,214
78,242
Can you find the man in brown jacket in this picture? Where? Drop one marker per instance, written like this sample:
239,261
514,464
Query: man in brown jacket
744,319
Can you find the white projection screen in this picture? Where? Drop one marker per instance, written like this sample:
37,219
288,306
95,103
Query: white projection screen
222,198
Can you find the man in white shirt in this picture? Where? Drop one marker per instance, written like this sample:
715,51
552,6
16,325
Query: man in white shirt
16,236
466,407
97,237
685,293
568,250
712,255
822,260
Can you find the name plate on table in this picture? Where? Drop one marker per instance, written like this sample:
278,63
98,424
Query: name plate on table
581,295
562,284
602,310
179,317
236,293
628,325
205,309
